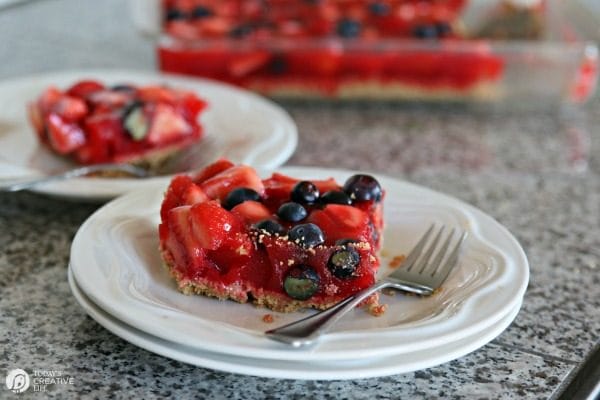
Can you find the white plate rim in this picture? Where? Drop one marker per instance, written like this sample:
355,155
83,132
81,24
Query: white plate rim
286,369
283,352
268,154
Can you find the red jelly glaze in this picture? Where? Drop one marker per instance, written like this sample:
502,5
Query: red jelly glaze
204,242
324,68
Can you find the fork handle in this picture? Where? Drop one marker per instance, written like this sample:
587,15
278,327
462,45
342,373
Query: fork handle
307,330
15,185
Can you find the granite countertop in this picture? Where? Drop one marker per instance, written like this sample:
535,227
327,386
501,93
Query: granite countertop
537,173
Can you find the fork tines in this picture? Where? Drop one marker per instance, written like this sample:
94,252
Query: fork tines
420,259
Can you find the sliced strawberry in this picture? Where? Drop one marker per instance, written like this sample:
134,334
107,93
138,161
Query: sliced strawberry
64,136
167,125
179,222
182,30
245,64
163,230
212,225
281,178
233,254
71,109
193,195
48,99
251,211
214,27
342,222
174,196
103,132
153,94
238,176
290,28
212,170
191,105
109,99
279,186
84,88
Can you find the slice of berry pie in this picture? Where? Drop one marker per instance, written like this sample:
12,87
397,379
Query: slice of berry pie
281,242
93,123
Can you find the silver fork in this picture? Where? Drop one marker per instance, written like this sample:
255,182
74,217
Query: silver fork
191,158
418,273
17,184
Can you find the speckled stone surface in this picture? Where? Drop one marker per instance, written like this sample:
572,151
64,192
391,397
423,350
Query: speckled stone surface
537,173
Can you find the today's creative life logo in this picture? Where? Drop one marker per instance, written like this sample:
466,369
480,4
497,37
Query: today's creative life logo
17,380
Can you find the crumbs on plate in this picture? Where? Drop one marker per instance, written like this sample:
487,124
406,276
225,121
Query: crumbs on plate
268,318
377,310
397,261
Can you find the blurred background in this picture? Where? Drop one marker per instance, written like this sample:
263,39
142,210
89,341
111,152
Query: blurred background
480,50
322,58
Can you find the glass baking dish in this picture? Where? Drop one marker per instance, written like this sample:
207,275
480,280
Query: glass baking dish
545,62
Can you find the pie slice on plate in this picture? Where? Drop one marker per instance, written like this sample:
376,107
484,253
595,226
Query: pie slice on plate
92,123
284,243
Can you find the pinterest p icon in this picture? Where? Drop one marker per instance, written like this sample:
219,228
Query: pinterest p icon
17,380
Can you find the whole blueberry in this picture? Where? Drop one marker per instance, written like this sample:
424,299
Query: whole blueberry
122,88
291,212
348,28
130,107
425,32
363,188
270,226
201,12
241,31
174,14
306,235
343,263
278,65
335,197
238,196
443,29
301,282
305,192
379,8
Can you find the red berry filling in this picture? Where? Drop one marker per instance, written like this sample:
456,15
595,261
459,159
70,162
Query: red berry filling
276,242
327,47
93,123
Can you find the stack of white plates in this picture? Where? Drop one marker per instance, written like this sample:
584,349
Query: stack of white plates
117,276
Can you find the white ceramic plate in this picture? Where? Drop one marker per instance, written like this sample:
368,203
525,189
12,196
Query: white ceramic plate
242,126
116,263
345,369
